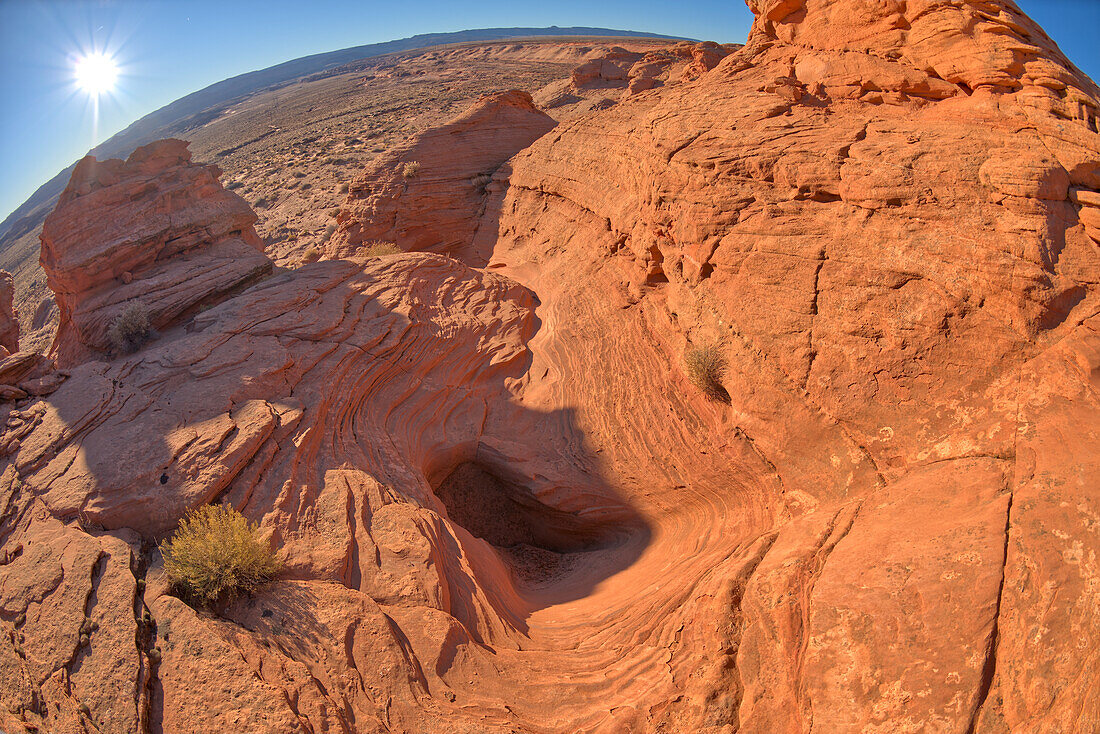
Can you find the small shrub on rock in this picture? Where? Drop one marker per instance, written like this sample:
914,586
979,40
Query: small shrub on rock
215,555
706,367
481,180
377,248
130,329
411,169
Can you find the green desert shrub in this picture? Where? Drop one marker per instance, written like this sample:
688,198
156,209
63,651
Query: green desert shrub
215,555
706,367
411,169
130,329
377,248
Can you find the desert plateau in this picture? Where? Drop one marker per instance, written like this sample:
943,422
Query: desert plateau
568,382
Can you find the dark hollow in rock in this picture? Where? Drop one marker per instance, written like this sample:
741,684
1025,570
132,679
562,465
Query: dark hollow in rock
509,517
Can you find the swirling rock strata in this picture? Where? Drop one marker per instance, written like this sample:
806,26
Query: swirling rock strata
882,214
503,506
156,230
328,403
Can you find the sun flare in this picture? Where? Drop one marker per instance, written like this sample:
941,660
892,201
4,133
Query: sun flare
96,73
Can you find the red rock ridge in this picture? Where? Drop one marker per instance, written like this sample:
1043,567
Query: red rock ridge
638,72
971,44
155,229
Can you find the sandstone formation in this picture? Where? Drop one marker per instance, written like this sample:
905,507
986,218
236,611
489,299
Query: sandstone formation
636,71
9,319
292,151
156,230
881,213
503,506
428,194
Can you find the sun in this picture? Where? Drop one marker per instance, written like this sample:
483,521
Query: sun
96,73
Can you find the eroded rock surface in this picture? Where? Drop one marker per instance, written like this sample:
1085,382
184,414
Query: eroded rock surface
429,194
156,230
9,320
503,506
883,214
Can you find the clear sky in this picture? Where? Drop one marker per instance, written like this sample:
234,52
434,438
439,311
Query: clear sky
168,49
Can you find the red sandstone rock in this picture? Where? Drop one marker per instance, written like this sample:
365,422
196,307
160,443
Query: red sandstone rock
428,195
904,286
889,526
155,230
631,72
9,320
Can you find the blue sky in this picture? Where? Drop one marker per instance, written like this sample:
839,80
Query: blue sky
169,49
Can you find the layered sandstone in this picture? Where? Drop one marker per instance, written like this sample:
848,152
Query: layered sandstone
9,319
618,73
503,506
156,230
428,194
884,217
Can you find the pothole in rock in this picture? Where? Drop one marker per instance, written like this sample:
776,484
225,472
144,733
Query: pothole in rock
537,541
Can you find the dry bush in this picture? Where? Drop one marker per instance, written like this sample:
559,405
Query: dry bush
329,231
411,169
706,367
377,248
215,555
130,329
344,188
312,254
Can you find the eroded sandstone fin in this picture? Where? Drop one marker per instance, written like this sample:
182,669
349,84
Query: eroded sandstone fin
155,230
428,194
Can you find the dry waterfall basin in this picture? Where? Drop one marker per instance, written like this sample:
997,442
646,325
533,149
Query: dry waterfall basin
502,498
